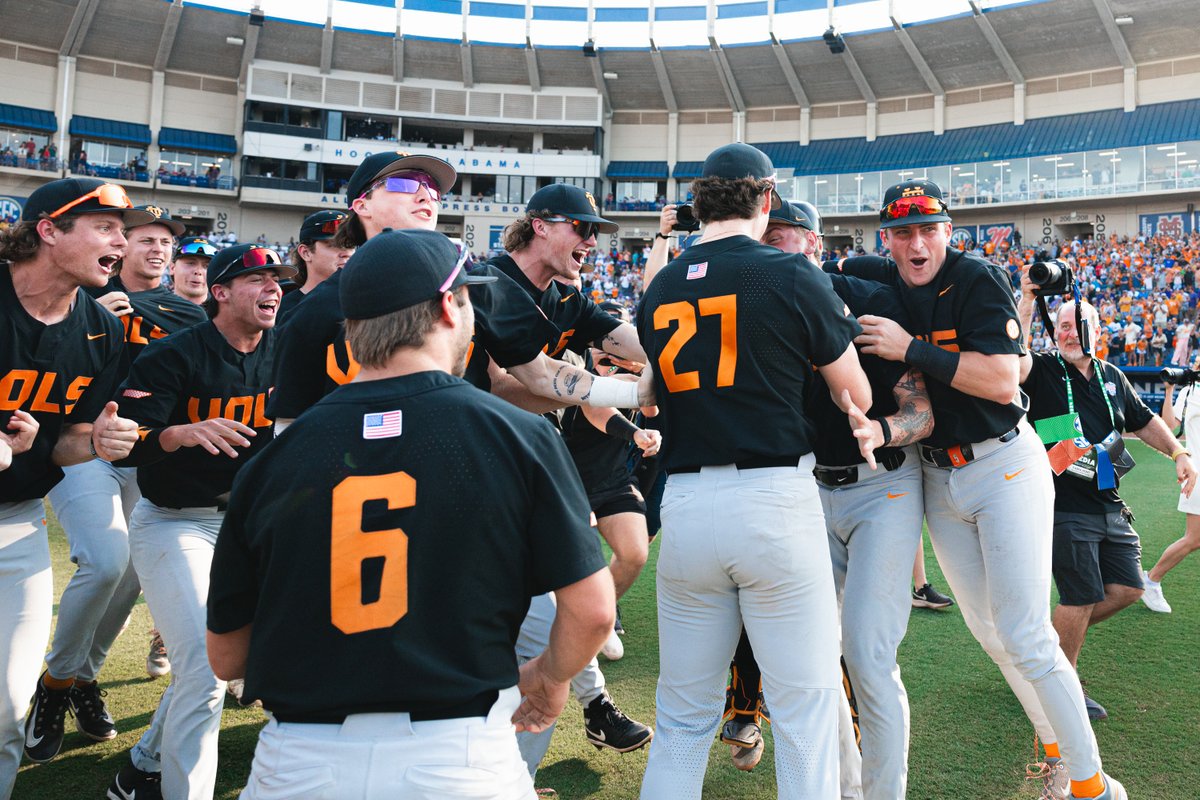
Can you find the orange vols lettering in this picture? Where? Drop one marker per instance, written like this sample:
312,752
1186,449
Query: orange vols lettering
41,400
334,371
16,387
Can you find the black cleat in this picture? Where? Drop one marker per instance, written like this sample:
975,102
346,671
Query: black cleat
44,725
607,726
1094,709
133,784
91,715
929,597
617,626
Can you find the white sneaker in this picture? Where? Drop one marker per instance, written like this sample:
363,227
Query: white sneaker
1152,595
614,648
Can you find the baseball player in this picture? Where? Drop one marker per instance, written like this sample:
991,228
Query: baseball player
546,248
988,489
60,358
199,398
733,330
399,191
437,617
93,503
315,257
1182,411
1097,553
189,270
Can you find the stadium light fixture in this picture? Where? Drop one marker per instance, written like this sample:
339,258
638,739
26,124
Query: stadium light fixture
236,41
589,48
1125,20
610,76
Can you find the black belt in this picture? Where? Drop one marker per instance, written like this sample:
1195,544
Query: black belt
958,455
479,707
834,477
757,462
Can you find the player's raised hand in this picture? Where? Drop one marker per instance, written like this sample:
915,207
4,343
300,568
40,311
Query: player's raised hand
22,430
542,698
113,436
1185,473
218,435
649,440
117,303
883,337
868,432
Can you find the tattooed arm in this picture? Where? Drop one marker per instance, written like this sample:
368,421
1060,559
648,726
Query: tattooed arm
622,342
566,383
912,422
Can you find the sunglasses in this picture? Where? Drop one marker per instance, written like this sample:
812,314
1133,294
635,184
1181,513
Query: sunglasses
585,230
408,183
907,206
106,194
464,253
197,249
332,225
252,259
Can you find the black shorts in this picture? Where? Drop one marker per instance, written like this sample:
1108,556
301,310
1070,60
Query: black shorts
624,499
1091,550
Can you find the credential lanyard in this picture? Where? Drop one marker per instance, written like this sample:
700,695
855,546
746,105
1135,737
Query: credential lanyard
1071,393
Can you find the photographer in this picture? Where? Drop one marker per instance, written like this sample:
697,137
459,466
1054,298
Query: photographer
1181,410
1096,552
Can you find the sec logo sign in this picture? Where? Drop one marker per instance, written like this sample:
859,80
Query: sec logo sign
10,209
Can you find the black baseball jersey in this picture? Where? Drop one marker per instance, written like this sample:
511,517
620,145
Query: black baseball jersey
837,447
601,460
733,329
288,304
189,377
314,357
576,319
968,306
157,313
62,374
426,515
1047,392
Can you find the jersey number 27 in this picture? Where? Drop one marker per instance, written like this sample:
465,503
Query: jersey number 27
683,314
350,546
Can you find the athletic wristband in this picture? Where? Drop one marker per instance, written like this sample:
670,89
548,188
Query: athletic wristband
887,431
620,427
92,447
1183,451
613,393
666,237
932,360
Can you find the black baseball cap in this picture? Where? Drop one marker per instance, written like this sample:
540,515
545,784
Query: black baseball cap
738,160
321,225
926,204
242,259
398,269
73,196
794,215
380,165
161,217
195,246
565,200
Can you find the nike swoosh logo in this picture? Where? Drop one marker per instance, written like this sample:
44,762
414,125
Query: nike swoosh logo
891,496
168,310
943,291
1008,476
565,299
94,336
31,740
600,735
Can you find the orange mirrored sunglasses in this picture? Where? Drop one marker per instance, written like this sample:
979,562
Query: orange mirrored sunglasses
107,194
907,206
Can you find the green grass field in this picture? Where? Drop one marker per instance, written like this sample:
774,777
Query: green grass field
969,735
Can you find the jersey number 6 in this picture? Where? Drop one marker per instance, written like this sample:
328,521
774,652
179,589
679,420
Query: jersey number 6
350,546
683,314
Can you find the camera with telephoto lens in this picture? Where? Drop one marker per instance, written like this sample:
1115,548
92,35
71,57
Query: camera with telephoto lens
1051,277
685,219
1179,376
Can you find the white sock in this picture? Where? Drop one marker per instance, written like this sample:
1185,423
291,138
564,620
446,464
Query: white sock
1146,579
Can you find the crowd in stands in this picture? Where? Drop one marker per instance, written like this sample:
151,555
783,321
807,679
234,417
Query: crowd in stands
29,155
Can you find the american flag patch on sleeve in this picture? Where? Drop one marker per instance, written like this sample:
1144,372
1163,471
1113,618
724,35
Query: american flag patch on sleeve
385,425
695,271
136,394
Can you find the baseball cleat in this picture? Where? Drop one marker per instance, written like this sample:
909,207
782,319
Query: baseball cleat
1113,790
614,648
546,792
607,726
617,626
746,758
157,663
1056,783
236,688
1152,595
929,597
1094,710
91,715
132,783
740,733
44,725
